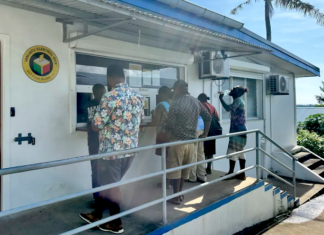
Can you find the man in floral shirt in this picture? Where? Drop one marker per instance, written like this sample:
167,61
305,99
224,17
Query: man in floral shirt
118,121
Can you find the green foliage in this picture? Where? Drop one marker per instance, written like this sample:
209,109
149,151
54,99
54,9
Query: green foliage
319,105
311,141
313,123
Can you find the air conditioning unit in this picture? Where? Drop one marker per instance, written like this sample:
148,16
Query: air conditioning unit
278,85
214,66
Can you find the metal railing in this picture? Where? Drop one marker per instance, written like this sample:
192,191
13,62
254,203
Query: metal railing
314,154
163,172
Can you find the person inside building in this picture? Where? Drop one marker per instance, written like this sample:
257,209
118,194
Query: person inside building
117,121
98,91
215,129
198,173
181,124
158,117
236,143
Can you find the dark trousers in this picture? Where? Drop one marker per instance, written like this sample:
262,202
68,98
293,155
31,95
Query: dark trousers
111,171
94,149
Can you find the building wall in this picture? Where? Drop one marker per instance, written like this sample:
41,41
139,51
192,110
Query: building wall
44,110
282,113
230,217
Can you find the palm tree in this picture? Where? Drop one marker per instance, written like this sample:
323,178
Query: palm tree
302,7
320,98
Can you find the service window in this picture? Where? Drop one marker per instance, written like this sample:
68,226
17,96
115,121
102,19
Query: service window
253,99
146,78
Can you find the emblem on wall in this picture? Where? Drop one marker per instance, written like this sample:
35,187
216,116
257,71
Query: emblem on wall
40,64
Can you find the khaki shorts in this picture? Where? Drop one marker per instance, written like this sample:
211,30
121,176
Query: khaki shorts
178,156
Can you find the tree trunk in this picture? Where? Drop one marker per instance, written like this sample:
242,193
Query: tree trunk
267,19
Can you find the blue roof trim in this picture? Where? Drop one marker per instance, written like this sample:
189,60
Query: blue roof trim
184,16
205,210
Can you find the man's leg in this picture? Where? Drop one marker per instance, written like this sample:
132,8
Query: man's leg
188,158
201,170
110,198
209,165
94,176
175,158
232,160
193,170
231,167
94,150
109,171
176,183
118,169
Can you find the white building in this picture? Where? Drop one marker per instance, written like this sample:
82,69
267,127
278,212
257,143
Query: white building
152,39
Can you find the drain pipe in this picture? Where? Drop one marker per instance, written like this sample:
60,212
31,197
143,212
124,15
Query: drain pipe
295,108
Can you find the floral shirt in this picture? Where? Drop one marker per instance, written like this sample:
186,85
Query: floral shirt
237,115
119,118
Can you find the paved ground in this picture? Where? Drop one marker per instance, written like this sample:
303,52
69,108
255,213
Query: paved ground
63,216
307,219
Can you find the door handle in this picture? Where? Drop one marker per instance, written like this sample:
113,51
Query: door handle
29,138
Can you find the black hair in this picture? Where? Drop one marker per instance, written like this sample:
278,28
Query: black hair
203,97
165,90
242,90
97,87
181,85
115,72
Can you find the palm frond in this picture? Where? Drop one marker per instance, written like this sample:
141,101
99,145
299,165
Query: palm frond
240,7
305,8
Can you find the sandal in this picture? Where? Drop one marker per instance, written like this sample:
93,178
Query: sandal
240,177
175,201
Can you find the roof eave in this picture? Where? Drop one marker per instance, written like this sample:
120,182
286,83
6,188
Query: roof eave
242,34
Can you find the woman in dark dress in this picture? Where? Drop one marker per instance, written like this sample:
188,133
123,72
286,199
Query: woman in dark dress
158,117
236,143
209,146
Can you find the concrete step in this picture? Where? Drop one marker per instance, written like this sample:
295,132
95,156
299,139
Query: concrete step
319,170
303,156
313,163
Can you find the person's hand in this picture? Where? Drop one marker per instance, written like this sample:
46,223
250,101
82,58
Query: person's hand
221,94
203,136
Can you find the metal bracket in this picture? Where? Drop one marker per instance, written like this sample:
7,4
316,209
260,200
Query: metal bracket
85,26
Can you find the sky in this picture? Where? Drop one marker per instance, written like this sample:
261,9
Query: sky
290,30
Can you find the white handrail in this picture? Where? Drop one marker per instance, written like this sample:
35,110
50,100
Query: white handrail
164,171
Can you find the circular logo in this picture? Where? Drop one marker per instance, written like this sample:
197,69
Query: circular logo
40,64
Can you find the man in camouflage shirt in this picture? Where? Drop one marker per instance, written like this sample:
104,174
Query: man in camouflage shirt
181,123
